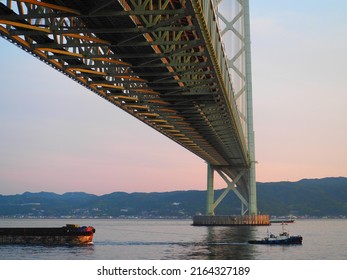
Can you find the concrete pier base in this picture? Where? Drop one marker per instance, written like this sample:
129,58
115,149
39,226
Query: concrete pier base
252,220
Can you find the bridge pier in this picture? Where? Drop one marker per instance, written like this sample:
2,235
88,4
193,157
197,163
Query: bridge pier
246,220
210,219
211,203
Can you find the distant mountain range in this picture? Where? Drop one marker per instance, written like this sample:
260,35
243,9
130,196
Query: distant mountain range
307,197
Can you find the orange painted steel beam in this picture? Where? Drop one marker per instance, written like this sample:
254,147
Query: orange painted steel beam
61,52
24,25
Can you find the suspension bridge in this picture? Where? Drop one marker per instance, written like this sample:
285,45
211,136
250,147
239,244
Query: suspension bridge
183,67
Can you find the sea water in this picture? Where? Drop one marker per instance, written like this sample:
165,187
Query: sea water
142,239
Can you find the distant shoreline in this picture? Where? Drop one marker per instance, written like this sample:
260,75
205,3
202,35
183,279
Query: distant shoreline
307,198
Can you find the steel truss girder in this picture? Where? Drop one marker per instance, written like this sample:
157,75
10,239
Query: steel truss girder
105,13
87,42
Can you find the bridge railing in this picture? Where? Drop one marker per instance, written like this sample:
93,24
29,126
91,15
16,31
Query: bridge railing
219,59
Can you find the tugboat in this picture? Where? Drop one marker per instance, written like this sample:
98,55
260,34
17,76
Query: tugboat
282,239
67,235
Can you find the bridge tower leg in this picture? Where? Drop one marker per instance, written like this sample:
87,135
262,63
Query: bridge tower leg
252,207
210,219
210,191
211,203
235,19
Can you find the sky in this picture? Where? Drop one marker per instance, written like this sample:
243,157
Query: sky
57,136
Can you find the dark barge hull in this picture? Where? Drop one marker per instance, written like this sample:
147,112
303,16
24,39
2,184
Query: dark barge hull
66,235
282,221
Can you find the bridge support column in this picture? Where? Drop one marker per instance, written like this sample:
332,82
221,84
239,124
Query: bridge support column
210,219
252,208
211,204
210,191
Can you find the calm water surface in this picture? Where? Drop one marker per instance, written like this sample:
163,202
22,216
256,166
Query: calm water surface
177,239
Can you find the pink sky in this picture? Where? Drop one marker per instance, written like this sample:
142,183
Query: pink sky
56,136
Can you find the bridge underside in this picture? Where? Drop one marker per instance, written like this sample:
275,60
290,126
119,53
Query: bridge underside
154,59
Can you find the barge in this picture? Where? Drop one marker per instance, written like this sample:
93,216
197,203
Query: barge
67,235
282,221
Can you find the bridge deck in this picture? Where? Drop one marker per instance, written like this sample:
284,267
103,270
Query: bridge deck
152,59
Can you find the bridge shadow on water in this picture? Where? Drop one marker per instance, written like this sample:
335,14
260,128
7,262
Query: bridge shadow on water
225,243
